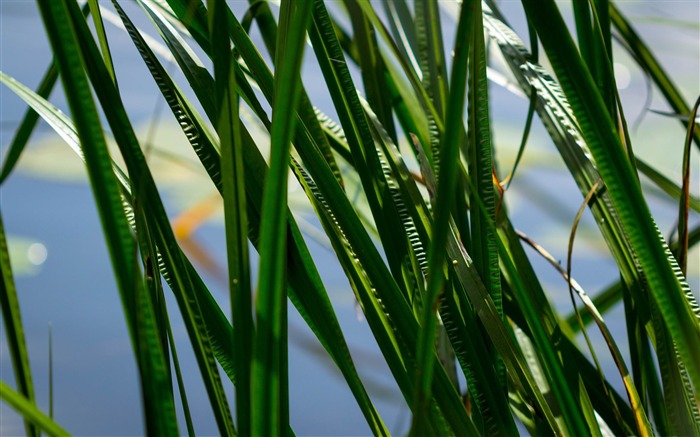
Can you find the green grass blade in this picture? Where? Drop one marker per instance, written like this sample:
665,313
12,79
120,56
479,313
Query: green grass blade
149,332
192,14
361,143
214,328
314,304
402,27
667,185
571,411
269,403
382,281
30,412
16,342
102,37
145,190
449,157
120,242
618,176
678,405
553,111
459,321
307,291
345,97
236,220
268,27
415,82
149,251
484,251
372,67
104,183
430,53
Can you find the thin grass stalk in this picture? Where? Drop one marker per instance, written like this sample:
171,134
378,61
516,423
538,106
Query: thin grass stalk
683,208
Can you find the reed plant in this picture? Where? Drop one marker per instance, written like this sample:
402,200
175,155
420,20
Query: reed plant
438,267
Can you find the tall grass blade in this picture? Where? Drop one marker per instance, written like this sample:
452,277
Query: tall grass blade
268,383
484,251
16,342
366,160
449,157
430,54
402,27
102,38
236,220
372,67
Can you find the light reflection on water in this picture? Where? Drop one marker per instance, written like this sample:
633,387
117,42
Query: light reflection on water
96,385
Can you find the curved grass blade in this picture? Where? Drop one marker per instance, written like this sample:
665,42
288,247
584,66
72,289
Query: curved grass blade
682,253
16,342
646,59
29,121
569,142
642,422
30,412
558,118
612,294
